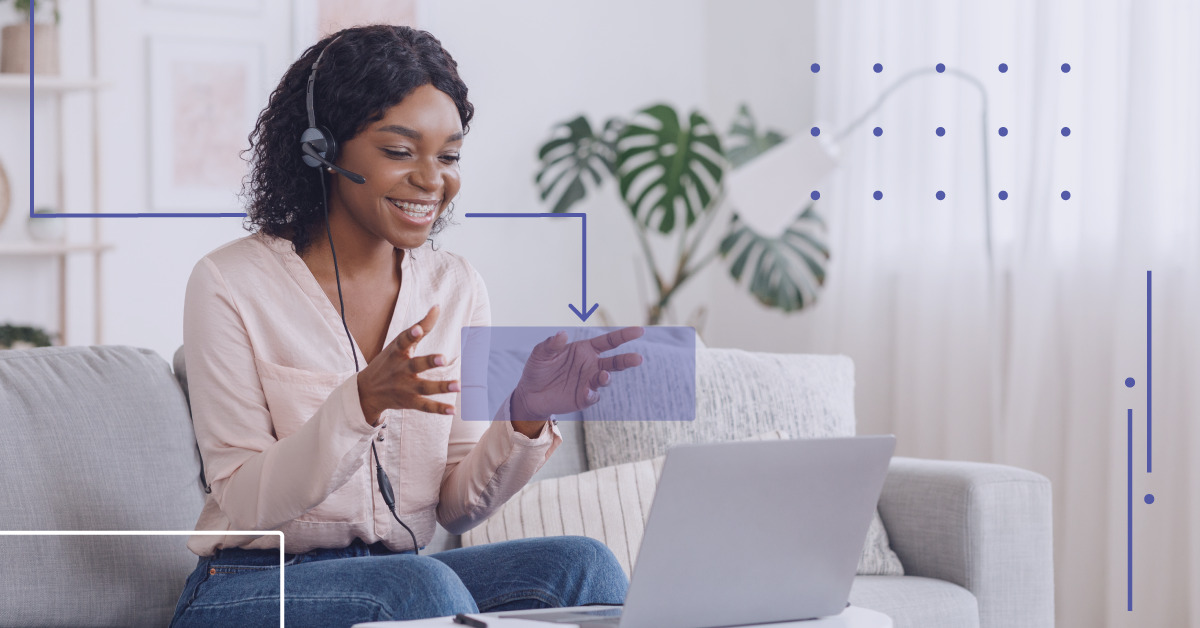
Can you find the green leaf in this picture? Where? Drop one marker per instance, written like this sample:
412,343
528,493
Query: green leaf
745,141
573,151
788,270
665,168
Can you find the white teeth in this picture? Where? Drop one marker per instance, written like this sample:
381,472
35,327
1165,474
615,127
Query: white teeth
416,211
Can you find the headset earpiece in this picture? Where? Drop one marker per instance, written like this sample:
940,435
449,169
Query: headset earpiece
322,141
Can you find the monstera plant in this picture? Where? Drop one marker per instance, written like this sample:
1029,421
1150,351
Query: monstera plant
670,176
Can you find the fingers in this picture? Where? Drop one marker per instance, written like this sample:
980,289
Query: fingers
427,387
620,362
600,379
424,363
409,337
614,339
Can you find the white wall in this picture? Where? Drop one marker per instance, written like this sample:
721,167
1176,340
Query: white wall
528,65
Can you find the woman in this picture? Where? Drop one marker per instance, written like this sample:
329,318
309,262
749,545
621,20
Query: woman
274,322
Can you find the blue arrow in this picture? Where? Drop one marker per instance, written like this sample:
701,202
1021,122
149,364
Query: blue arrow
587,312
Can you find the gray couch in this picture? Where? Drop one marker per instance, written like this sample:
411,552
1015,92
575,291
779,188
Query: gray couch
99,438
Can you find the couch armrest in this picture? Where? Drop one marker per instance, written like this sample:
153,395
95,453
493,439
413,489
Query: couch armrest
985,527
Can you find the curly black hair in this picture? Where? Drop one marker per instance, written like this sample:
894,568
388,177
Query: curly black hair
366,72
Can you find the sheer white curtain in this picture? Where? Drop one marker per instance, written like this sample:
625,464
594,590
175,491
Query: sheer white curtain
1025,364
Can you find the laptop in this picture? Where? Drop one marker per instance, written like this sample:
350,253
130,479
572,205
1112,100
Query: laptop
748,532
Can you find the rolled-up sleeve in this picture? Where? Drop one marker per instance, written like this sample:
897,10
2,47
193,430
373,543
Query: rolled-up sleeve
259,481
487,463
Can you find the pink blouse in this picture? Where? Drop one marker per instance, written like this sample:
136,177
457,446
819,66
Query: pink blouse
282,434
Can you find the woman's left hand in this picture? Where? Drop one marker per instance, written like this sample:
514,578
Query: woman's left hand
560,378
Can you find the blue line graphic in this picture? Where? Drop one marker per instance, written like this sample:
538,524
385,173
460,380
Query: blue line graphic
1149,440
585,312
1129,514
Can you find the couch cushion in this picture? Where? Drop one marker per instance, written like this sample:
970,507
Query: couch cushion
915,602
737,393
95,438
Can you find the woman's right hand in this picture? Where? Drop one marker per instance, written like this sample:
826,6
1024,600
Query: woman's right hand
390,380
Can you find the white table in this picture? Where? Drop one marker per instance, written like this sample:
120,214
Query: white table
852,617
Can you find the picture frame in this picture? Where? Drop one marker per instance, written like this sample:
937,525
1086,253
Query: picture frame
204,98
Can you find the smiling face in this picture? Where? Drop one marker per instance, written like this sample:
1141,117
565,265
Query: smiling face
410,161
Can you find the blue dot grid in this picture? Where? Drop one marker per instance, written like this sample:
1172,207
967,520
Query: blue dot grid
815,195
816,67
1149,498
941,131
1129,382
815,131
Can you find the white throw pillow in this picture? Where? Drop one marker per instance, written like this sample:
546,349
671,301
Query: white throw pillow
611,504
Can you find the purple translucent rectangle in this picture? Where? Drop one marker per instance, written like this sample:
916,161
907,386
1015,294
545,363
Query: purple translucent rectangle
661,388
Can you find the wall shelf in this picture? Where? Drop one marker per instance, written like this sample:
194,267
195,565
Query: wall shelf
59,89
19,84
45,249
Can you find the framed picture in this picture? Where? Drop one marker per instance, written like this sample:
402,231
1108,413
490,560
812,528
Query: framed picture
204,97
230,6
312,20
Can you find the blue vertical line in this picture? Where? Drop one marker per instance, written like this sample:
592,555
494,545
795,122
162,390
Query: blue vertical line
1149,439
584,304
32,9
1129,514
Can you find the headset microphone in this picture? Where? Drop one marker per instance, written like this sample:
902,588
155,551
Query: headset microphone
311,153
317,143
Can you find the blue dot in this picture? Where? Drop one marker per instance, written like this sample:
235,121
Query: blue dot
1066,131
1066,67
1066,195
878,68
878,131
1003,131
1003,68
816,67
1149,498
1003,195
940,131
815,131
941,195
941,67
815,195
1129,382
878,195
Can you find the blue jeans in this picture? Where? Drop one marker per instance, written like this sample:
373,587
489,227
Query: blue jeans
359,583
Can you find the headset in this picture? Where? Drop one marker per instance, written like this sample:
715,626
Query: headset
319,148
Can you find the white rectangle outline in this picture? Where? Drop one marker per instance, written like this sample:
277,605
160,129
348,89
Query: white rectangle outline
164,533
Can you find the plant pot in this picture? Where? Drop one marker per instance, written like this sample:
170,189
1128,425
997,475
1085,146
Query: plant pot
46,229
14,57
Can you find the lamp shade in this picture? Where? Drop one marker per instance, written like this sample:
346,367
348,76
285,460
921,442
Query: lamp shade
769,191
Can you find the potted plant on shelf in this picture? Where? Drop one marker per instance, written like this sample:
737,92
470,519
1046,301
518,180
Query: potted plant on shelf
22,337
14,57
